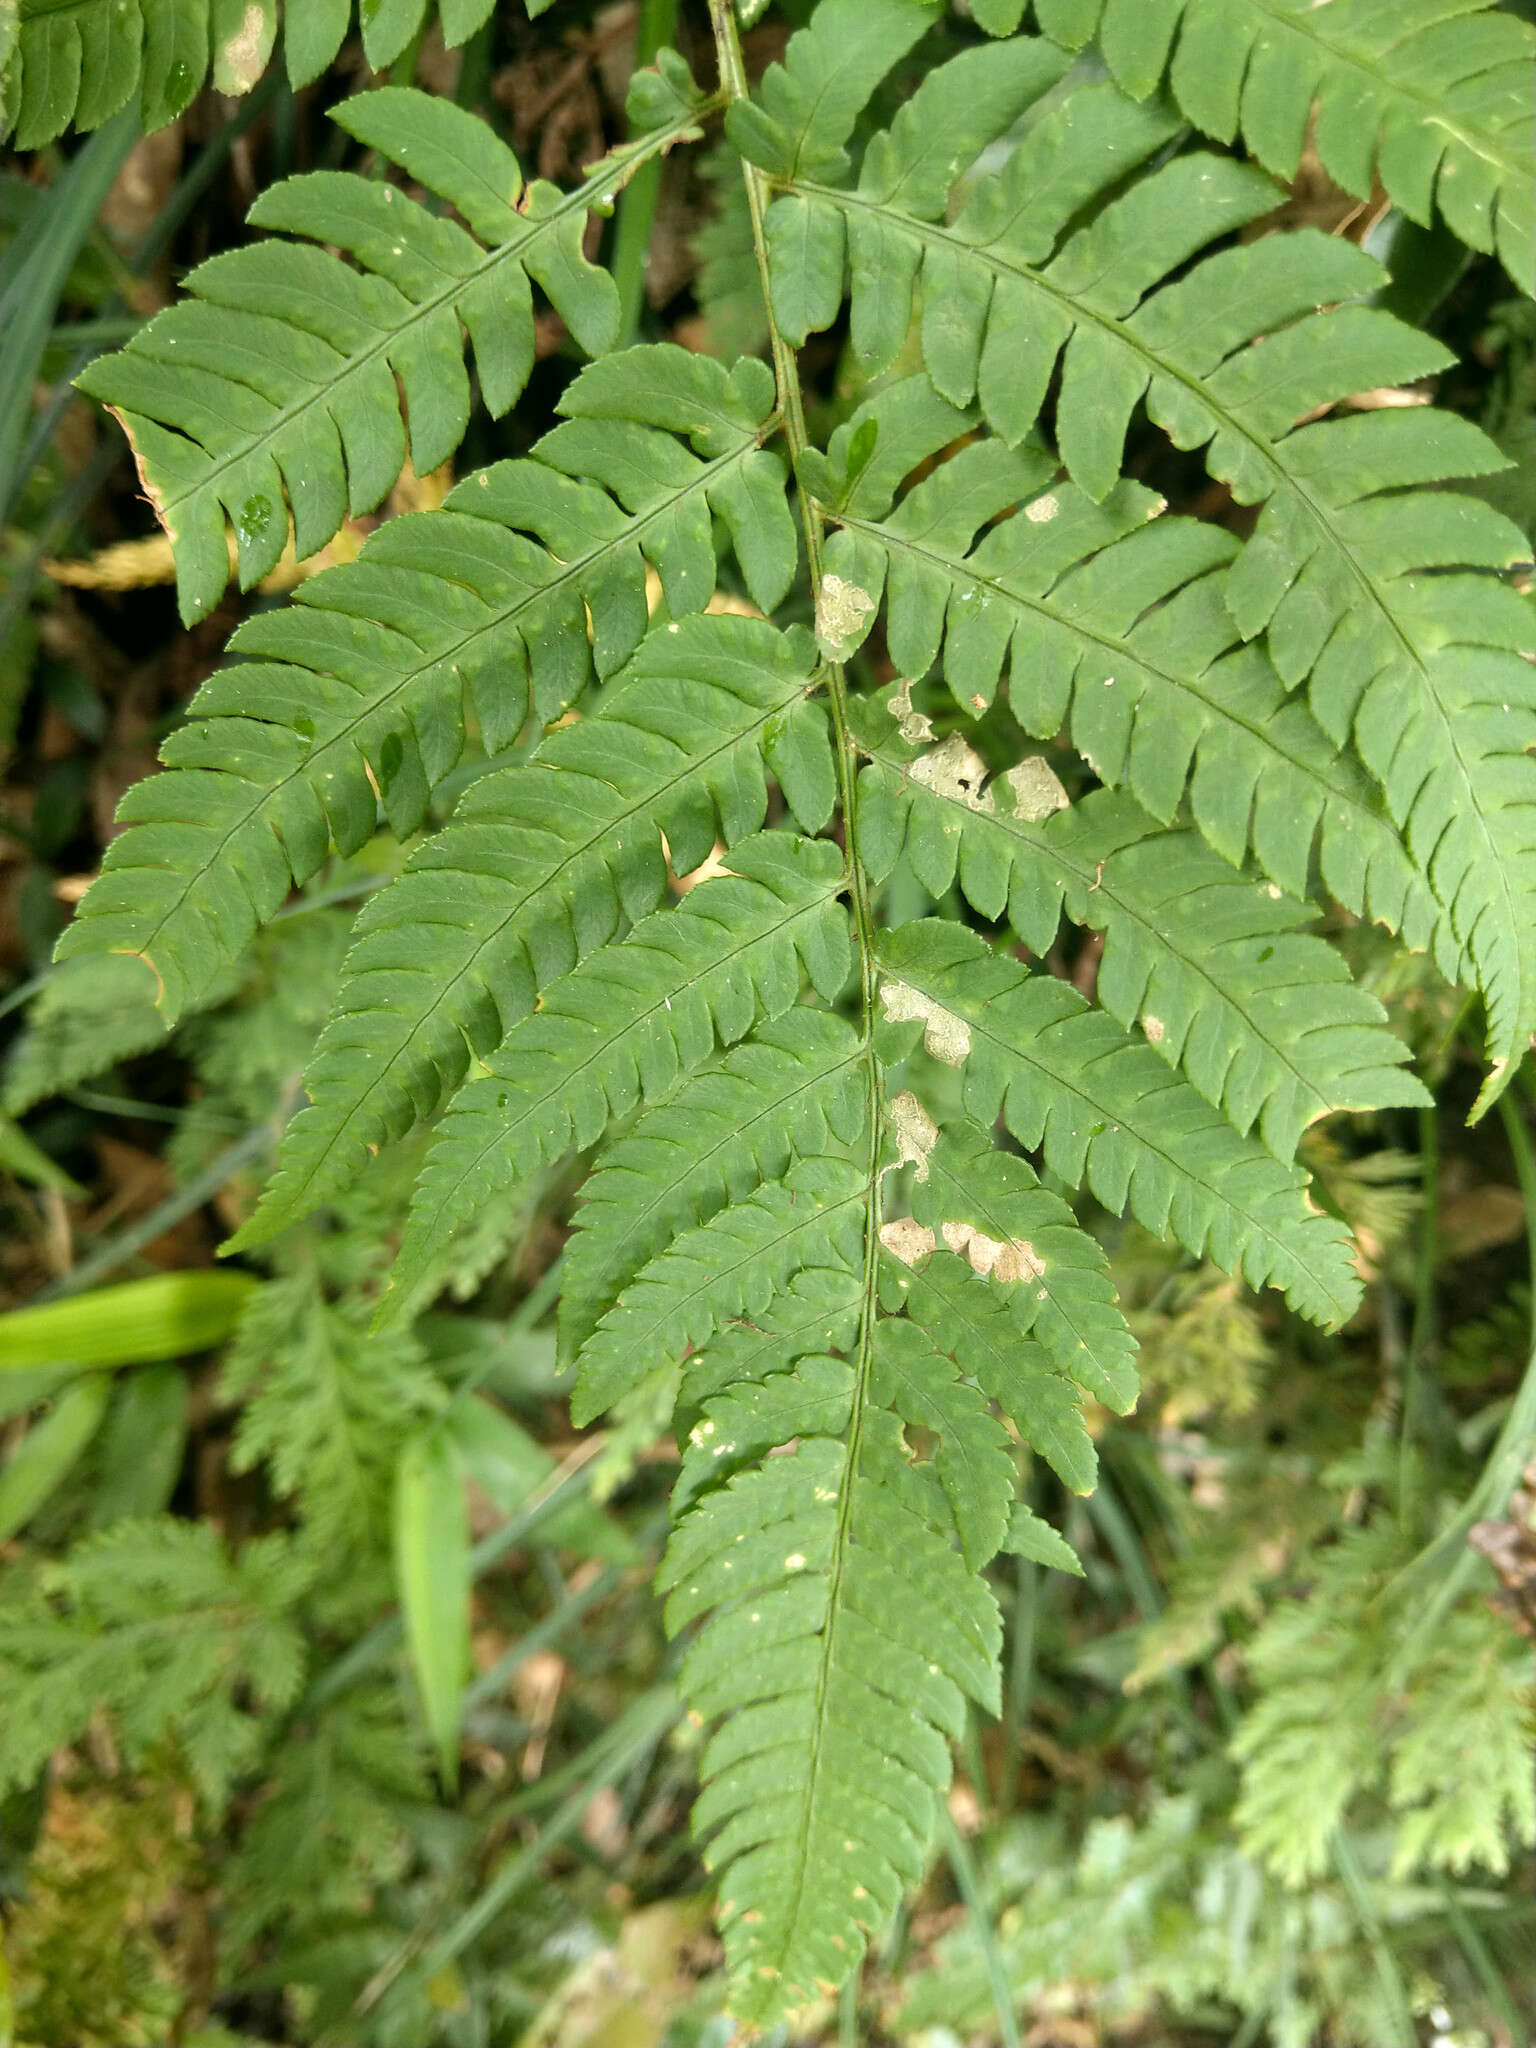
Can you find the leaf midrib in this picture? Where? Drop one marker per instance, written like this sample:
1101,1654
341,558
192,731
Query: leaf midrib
959,568
1515,167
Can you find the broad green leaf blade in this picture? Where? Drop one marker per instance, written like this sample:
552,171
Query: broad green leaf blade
48,1452
431,1547
167,1316
509,1465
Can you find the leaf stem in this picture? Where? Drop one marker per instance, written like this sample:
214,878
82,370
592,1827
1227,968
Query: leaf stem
637,204
733,87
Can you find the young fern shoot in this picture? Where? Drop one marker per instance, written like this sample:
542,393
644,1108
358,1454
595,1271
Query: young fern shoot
826,1219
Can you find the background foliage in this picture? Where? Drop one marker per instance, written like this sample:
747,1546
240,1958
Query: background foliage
1263,1771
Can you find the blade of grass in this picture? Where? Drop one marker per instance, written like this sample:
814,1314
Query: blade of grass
1483,1966
1393,1989
569,1482
1449,1557
135,1323
1422,1333
555,1624
165,1214
637,203
31,304
1021,1675
638,1729
431,1550
960,1863
49,1451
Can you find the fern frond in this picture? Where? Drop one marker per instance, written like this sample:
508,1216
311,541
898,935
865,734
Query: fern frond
155,1624
1106,1110
355,695
83,1020
1432,98
844,1632
966,1318
973,1463
76,62
1262,1017
1126,628
788,1092
541,864
625,1027
1232,357
1111,620
817,1313
324,1406
270,390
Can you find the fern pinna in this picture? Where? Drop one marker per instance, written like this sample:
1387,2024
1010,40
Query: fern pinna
764,916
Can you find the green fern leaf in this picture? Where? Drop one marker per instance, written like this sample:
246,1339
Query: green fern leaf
356,693
1433,99
1262,1018
270,390
324,1406
844,1633
1113,621
624,1027
77,63
1011,285
541,865
817,1313
1106,1109
807,106
973,1464
1063,592
788,1092
155,1625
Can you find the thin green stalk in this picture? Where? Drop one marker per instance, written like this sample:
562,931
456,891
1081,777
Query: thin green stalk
1021,1676
32,299
562,1618
981,1923
1483,1966
1393,1989
848,2012
1448,1557
639,1729
161,1218
567,1483
637,203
